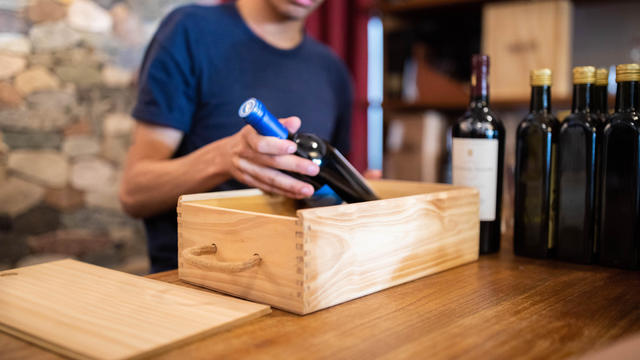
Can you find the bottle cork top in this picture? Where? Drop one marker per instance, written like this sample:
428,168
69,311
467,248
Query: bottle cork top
602,76
628,72
540,77
584,75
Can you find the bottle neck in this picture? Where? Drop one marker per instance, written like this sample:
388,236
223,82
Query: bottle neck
581,98
479,87
479,102
540,99
600,99
627,96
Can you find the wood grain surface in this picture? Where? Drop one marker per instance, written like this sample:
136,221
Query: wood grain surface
238,235
323,256
352,251
500,307
88,312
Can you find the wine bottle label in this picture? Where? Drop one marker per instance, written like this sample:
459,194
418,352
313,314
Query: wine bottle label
475,164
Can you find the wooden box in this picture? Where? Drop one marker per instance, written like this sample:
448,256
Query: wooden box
264,249
520,36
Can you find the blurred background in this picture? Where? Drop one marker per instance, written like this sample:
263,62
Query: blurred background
67,86
68,83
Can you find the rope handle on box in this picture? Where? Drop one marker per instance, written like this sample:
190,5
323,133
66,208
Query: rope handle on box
195,256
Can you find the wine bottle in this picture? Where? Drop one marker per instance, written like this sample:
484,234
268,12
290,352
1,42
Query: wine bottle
577,173
335,170
477,154
620,210
535,182
601,109
601,94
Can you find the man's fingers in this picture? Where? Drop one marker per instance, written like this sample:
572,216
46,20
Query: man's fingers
275,179
268,144
287,162
372,174
292,123
253,182
272,145
258,163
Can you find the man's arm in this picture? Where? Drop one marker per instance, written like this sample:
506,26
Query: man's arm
153,181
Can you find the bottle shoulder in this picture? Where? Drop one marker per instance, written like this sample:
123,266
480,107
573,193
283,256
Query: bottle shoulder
544,121
625,120
310,147
479,122
480,114
587,120
633,117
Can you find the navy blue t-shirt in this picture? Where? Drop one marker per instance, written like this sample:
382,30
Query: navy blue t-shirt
202,63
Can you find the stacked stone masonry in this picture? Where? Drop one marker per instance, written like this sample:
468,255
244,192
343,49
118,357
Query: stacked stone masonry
67,85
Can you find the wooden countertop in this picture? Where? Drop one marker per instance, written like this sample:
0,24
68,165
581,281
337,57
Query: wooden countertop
500,307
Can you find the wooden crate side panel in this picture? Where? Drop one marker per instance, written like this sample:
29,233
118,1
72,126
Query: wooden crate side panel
220,195
388,189
277,280
359,249
252,200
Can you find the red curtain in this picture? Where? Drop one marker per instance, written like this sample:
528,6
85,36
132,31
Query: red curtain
342,25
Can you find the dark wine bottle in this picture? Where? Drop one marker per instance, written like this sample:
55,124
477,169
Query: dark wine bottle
335,170
620,210
600,95
577,173
601,110
535,180
477,154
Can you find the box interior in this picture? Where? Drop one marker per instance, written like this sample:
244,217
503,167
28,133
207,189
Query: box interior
268,204
282,206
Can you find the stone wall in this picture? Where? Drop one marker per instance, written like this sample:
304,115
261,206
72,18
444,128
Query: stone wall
67,85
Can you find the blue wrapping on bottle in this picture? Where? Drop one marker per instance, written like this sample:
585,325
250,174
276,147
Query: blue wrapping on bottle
256,114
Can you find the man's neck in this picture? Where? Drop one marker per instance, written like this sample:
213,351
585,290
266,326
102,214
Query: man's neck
269,25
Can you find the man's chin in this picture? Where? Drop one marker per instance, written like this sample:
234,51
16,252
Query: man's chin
296,9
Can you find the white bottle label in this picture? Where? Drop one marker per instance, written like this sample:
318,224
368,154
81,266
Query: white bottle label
475,164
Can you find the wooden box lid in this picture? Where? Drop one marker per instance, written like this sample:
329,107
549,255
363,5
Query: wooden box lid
89,312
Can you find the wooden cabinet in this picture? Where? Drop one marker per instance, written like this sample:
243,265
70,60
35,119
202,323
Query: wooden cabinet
517,35
521,36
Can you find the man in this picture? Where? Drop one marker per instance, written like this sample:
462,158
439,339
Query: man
202,63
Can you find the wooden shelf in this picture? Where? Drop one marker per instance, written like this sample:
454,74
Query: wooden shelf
399,106
404,6
400,6
556,103
402,106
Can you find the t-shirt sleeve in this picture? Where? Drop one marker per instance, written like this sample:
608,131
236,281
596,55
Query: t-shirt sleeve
341,137
168,80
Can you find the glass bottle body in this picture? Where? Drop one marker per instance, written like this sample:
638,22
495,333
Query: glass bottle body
535,180
577,180
620,209
480,135
335,169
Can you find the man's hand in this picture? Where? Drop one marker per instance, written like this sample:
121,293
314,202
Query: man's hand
253,160
372,174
